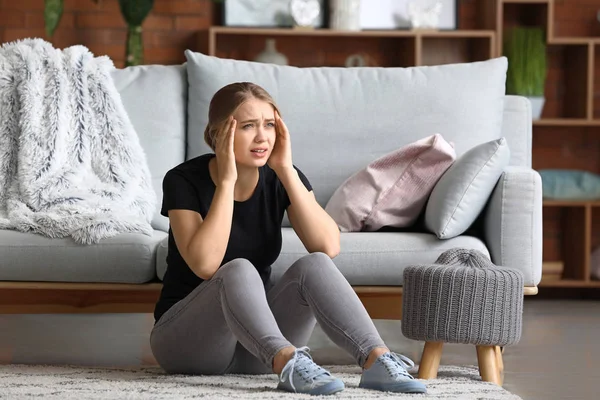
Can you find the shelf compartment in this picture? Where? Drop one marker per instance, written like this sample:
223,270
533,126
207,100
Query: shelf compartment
525,14
575,18
568,83
435,50
567,238
573,147
321,50
566,122
515,14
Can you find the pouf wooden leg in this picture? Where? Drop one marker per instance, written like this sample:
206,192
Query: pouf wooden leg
488,364
500,363
430,360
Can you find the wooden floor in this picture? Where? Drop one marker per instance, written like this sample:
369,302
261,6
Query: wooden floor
558,356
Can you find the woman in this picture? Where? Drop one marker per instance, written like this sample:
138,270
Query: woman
218,311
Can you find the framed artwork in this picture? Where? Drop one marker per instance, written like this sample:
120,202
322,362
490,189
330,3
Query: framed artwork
394,14
264,13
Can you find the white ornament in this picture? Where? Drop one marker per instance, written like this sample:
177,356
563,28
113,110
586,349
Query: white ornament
427,18
305,12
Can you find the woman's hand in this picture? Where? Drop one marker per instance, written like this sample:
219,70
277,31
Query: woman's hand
281,156
224,151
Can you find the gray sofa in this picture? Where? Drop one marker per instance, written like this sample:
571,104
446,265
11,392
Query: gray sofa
339,119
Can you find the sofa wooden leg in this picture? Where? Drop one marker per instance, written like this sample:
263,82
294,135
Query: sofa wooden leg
500,363
430,360
488,364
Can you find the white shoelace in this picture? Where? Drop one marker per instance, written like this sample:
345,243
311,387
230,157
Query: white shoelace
307,369
397,364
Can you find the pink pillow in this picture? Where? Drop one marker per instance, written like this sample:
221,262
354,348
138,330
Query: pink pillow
392,190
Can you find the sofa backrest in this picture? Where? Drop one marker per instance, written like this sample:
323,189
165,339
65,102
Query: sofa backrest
516,128
155,98
340,119
378,118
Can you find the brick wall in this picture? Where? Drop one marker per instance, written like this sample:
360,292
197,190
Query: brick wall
172,27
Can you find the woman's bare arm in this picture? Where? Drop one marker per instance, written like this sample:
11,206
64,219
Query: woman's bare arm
202,243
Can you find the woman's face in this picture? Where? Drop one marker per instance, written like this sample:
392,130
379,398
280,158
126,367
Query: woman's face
255,133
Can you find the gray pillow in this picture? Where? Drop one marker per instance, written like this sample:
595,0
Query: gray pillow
463,191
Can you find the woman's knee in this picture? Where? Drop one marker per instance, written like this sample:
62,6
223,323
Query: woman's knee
237,268
314,261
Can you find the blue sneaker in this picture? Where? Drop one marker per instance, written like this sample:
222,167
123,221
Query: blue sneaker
388,374
302,375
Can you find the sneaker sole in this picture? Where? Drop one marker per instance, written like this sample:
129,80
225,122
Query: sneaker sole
327,389
402,387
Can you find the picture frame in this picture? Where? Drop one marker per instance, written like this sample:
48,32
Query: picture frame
393,14
264,14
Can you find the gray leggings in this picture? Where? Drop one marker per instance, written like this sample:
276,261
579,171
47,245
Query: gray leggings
228,324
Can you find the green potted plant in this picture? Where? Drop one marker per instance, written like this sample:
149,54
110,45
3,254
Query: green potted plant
525,48
134,12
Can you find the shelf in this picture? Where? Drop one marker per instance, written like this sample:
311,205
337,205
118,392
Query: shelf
324,47
571,203
438,50
566,122
322,50
567,136
525,1
571,40
225,30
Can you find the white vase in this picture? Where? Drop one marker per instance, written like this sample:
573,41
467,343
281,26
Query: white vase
270,55
537,106
344,15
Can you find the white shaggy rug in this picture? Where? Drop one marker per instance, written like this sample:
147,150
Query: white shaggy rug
69,382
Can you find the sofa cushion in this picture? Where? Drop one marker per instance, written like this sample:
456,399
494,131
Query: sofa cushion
376,258
155,98
341,119
161,258
126,258
463,191
392,190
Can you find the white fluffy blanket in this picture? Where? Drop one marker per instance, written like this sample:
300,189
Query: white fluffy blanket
70,160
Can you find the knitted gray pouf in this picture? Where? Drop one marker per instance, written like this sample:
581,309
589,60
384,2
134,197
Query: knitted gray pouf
463,298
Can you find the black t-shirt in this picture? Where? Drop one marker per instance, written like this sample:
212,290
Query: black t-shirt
255,231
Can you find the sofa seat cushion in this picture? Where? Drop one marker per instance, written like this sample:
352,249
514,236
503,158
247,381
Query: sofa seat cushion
161,258
126,258
376,258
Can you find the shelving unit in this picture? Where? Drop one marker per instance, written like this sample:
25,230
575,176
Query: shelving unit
400,48
567,135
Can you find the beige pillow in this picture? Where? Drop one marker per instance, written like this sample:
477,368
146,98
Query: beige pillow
392,190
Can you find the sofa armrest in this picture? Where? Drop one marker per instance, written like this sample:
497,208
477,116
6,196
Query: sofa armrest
513,223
